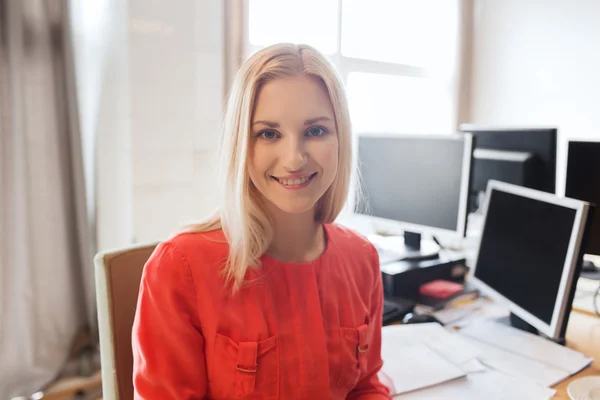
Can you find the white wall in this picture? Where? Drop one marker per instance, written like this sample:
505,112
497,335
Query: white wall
100,51
176,67
537,63
150,80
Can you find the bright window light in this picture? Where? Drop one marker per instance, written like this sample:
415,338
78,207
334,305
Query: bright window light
312,22
419,33
397,104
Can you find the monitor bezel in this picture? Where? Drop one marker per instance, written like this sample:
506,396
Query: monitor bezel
554,329
465,182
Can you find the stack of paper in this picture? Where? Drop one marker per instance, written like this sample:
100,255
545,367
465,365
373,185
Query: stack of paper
449,345
519,353
487,385
418,367
425,361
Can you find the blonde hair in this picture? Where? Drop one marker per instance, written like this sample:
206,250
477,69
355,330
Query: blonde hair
245,224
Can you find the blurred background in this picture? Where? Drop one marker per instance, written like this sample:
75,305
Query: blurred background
110,113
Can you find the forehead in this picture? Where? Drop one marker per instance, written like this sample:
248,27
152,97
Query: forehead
292,98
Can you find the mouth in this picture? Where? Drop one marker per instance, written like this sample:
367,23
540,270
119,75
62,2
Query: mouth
295,184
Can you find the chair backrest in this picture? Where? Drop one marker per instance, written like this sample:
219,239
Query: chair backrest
118,276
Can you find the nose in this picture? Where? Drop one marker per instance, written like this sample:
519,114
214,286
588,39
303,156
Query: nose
295,156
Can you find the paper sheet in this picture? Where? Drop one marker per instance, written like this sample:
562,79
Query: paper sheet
488,385
447,344
418,367
515,365
414,357
421,355
528,345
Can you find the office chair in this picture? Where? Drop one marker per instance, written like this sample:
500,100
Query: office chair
118,276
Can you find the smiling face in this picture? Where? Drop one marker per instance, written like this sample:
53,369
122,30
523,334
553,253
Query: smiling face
293,155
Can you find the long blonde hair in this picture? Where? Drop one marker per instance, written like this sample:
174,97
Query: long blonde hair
245,224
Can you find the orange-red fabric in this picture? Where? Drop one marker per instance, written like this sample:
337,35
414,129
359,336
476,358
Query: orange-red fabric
294,331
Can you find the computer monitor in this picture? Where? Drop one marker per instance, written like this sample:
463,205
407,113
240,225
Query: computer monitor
529,255
583,183
420,182
521,156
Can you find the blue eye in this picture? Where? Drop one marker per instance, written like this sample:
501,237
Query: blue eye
316,131
268,135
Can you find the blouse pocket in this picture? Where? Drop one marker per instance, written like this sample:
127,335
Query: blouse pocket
245,367
354,354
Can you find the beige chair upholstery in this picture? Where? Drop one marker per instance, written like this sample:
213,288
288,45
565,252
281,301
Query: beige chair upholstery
118,275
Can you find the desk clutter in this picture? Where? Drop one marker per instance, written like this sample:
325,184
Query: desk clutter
526,265
479,208
529,250
485,360
439,298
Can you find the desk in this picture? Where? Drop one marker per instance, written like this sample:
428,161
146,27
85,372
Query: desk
583,334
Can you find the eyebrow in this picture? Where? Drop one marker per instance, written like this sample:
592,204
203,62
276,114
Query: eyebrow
311,121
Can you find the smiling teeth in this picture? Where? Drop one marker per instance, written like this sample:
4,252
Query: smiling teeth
293,182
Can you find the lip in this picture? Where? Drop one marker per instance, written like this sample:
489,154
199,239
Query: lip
296,176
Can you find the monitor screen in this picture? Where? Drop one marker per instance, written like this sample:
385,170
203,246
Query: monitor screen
419,180
583,183
527,253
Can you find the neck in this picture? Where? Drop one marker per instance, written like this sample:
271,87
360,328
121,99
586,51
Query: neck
296,237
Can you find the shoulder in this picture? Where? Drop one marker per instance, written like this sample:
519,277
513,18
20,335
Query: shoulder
207,246
353,244
188,254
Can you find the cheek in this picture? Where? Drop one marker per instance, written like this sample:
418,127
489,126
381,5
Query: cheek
327,158
258,161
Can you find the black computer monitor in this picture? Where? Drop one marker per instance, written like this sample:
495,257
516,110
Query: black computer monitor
529,255
521,156
583,183
418,181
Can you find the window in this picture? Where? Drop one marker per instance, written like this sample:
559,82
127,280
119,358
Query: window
314,22
398,58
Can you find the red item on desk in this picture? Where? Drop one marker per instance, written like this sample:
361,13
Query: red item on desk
440,289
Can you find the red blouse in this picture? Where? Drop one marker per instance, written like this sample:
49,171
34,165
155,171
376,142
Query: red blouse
295,331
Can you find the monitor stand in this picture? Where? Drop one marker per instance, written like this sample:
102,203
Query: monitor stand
410,247
517,322
416,249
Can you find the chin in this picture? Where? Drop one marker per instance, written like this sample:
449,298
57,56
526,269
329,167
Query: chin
294,207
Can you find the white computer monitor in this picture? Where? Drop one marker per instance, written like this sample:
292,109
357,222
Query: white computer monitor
420,182
529,254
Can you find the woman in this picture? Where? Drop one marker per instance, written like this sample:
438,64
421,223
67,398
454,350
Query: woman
269,299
